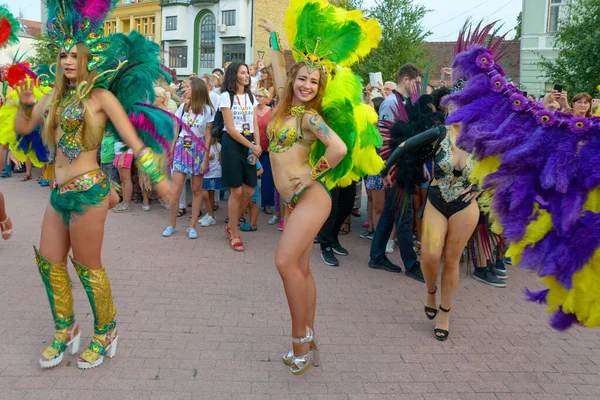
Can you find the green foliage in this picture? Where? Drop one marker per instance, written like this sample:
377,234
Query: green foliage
42,55
519,26
577,66
401,38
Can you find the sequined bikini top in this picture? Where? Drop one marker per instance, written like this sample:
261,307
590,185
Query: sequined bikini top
70,114
450,181
281,139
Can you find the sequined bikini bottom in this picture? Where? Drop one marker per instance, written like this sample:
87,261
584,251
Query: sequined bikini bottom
77,195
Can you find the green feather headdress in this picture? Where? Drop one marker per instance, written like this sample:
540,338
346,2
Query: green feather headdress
79,21
322,35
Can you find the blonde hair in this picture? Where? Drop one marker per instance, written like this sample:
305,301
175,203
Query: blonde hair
281,111
89,137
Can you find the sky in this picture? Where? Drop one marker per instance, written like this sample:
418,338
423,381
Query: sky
444,20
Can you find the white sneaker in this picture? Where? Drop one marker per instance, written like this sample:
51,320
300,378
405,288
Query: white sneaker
202,219
389,248
208,221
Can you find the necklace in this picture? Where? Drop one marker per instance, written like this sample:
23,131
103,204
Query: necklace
297,111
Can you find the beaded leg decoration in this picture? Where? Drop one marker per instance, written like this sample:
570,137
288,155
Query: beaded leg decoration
58,286
104,342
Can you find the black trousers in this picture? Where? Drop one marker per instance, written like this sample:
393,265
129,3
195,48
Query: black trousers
342,202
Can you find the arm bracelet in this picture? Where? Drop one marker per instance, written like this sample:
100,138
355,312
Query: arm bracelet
26,106
150,164
320,169
274,42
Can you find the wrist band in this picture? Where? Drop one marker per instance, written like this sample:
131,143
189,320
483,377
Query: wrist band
150,164
26,106
274,41
320,169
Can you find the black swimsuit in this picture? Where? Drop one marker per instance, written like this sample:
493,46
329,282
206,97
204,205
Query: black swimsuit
450,202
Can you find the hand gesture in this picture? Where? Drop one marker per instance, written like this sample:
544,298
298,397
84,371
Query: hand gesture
165,191
11,157
300,182
470,194
204,166
387,181
257,150
25,90
267,25
563,100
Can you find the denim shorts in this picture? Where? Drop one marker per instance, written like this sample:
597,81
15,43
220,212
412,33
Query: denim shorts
211,184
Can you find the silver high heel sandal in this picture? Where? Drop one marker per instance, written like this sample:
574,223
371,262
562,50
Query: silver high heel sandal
300,364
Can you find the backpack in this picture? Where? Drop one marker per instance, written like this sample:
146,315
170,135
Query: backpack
219,123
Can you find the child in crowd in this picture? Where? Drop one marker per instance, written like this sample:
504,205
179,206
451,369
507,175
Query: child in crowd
253,207
211,185
123,161
253,78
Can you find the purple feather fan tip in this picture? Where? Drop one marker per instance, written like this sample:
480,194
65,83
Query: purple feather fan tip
562,321
180,122
94,10
141,122
537,297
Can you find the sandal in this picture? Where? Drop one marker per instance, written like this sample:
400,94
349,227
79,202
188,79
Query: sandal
6,232
430,312
344,229
121,207
181,212
236,243
26,178
248,228
442,334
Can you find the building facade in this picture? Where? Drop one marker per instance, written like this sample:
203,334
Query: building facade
539,22
143,16
201,35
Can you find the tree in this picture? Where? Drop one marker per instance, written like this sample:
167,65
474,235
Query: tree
348,4
577,66
519,26
402,34
42,55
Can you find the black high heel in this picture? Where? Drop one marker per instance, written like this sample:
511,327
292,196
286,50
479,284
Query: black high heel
442,334
431,313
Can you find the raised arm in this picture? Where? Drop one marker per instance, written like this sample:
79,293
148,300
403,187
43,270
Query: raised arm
277,59
30,113
415,142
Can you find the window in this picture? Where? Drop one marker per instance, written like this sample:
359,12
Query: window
229,18
178,57
553,15
153,29
207,41
138,24
234,52
171,23
145,26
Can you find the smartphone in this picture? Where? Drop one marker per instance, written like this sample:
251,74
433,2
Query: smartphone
558,88
375,79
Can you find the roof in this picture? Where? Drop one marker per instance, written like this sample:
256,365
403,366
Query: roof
31,28
441,54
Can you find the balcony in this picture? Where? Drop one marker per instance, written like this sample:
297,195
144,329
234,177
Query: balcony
165,3
194,2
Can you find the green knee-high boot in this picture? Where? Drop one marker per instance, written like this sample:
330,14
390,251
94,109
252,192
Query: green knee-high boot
58,286
97,286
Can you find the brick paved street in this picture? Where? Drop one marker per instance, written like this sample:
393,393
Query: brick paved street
198,321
